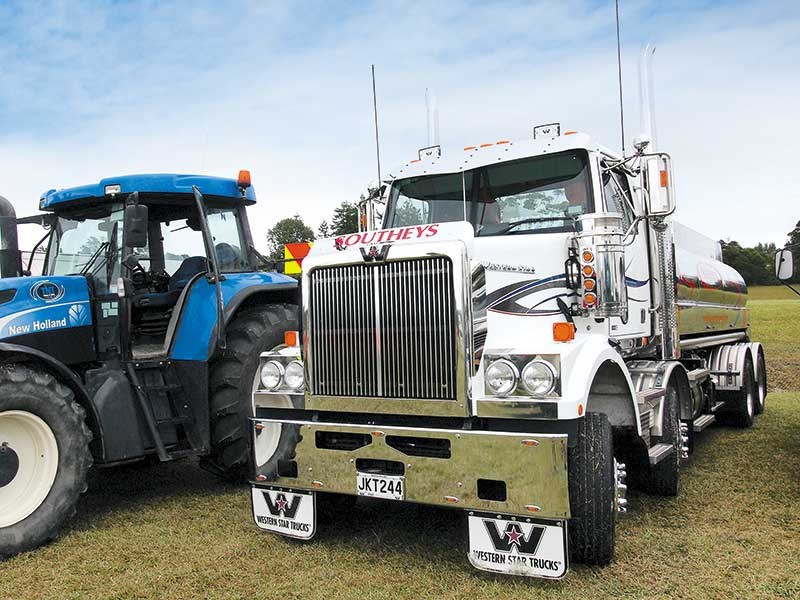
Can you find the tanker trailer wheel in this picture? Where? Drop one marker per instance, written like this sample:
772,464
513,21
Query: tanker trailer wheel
232,378
761,383
592,492
740,405
44,457
663,478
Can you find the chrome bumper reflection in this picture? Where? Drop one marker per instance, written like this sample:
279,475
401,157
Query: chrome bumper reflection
441,466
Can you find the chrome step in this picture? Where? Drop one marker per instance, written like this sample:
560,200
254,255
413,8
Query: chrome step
703,421
659,452
717,406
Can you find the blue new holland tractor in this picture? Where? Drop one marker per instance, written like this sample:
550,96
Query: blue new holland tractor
140,338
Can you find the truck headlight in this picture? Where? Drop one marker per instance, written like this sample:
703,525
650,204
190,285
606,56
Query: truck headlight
538,377
272,374
502,377
293,376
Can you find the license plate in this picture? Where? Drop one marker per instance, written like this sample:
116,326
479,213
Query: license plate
288,513
534,548
392,487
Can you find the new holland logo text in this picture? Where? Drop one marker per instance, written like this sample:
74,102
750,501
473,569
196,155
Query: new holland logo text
282,512
375,254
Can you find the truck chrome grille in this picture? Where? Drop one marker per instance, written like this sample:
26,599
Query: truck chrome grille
383,331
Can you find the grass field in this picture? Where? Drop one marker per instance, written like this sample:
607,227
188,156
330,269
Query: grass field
175,531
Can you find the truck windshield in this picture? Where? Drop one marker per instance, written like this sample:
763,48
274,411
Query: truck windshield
88,244
530,195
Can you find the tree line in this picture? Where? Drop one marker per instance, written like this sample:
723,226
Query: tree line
293,229
757,264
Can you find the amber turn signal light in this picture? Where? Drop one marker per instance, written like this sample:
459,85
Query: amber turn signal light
588,271
563,332
291,338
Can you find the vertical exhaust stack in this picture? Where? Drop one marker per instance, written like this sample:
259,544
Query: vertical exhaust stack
432,110
647,102
10,260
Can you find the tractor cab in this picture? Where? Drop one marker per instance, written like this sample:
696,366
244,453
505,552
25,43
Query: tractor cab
148,239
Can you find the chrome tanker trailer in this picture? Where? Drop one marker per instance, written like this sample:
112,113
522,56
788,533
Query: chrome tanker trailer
523,328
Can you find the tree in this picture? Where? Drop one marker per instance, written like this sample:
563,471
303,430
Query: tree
345,219
753,264
286,231
794,243
324,230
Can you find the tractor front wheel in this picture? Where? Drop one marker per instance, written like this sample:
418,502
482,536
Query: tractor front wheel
252,331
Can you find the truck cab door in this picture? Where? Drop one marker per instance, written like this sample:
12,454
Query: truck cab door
618,197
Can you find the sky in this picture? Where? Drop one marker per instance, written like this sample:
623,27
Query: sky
96,89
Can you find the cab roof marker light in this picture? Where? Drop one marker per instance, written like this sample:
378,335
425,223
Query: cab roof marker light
486,145
502,142
468,148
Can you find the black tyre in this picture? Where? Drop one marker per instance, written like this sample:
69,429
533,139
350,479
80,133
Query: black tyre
44,457
663,478
592,492
761,384
740,405
252,331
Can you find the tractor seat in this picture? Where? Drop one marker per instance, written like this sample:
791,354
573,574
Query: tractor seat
189,268
156,300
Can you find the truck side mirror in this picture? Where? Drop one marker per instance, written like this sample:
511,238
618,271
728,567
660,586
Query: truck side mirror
661,189
135,224
784,264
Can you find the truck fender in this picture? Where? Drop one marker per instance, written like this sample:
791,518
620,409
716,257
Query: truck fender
601,379
14,353
651,378
726,364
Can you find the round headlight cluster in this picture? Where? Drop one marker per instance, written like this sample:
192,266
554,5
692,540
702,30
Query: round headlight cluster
539,377
502,377
274,375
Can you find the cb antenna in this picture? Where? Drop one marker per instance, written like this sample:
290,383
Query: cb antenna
619,77
375,110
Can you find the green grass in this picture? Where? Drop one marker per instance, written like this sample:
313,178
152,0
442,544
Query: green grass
776,324
772,292
176,531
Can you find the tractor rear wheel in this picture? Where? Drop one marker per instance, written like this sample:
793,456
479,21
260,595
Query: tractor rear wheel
44,457
252,331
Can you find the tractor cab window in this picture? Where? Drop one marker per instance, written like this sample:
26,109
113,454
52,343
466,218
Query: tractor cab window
88,243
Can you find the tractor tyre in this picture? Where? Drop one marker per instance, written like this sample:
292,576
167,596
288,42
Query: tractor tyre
740,405
44,457
592,492
663,478
232,379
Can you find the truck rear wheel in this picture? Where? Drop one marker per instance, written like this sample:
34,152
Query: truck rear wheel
740,405
252,331
592,492
761,383
44,457
663,478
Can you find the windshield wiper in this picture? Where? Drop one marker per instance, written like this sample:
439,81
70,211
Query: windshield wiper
85,269
515,224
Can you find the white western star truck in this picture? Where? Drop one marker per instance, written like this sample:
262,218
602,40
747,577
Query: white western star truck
525,321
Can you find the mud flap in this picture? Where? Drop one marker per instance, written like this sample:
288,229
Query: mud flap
285,512
518,546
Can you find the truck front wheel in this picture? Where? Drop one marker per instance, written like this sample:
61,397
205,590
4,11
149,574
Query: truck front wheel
592,492
44,457
252,331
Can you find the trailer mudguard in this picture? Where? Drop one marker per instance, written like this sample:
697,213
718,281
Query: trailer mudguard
727,365
196,330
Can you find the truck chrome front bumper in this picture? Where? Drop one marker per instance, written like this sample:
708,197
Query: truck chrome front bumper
521,474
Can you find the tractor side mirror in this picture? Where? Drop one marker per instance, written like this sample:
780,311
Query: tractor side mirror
784,264
661,188
135,224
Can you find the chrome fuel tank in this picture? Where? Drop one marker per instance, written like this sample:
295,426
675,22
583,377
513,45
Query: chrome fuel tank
711,296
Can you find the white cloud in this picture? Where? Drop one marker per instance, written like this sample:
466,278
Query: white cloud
285,92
